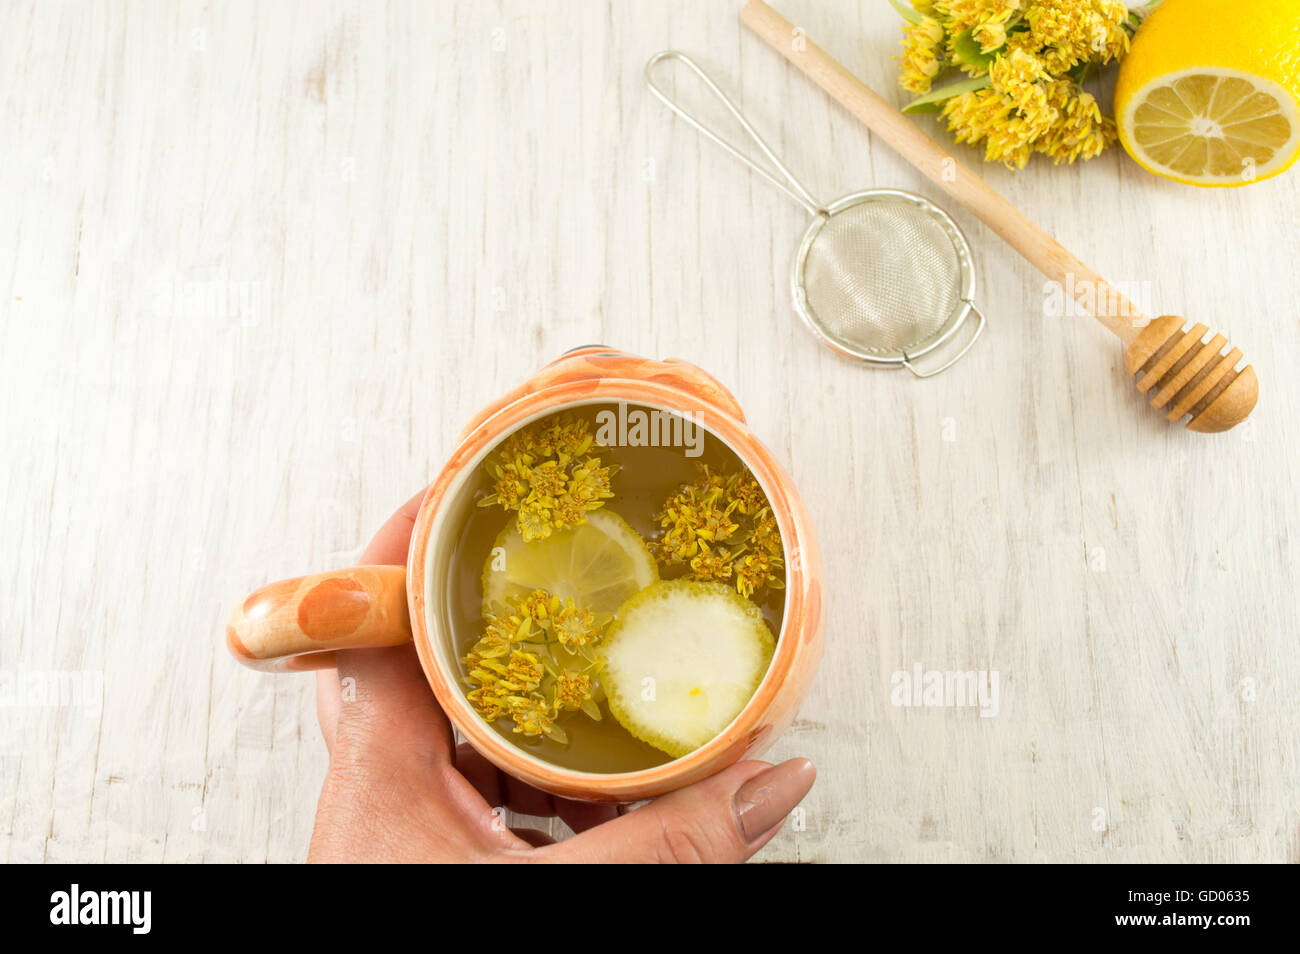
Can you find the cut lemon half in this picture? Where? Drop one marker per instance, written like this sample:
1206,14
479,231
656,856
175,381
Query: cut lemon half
1212,127
682,660
600,564
1209,92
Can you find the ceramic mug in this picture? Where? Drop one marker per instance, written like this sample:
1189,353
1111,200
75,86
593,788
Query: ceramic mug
298,624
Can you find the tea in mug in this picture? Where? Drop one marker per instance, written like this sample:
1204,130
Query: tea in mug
616,594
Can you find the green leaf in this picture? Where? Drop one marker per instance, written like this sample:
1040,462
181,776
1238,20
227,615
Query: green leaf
906,11
933,101
967,49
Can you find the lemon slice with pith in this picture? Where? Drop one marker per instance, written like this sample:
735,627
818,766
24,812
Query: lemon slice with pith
681,662
1209,94
600,564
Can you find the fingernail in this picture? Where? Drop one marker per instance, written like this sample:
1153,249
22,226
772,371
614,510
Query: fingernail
762,802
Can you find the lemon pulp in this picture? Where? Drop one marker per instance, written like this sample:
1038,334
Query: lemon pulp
1209,126
681,662
600,564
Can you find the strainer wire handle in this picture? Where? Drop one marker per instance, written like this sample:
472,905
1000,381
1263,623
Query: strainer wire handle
798,192
931,372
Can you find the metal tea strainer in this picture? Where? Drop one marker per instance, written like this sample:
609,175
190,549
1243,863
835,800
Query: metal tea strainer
884,276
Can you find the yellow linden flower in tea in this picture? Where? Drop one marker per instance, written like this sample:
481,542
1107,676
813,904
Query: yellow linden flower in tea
749,497
573,626
534,520
571,442
541,472
514,670
757,570
569,511
709,565
709,523
488,702
484,671
767,535
536,605
572,689
590,483
496,637
492,645
511,487
750,575
531,716
524,671
548,479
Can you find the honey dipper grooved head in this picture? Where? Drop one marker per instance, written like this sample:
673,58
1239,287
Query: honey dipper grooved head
1188,375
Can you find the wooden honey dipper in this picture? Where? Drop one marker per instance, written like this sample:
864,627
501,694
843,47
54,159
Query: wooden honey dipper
1184,374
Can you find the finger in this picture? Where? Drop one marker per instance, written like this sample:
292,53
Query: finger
327,705
481,773
726,818
583,816
389,546
523,798
501,790
387,709
538,839
382,697
580,816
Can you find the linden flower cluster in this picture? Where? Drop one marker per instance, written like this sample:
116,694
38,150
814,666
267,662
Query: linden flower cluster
535,662
723,529
544,472
1028,60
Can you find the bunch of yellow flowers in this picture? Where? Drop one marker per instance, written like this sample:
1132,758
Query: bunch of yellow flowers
723,529
546,474
1026,63
534,662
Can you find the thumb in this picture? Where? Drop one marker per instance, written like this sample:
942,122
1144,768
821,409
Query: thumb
725,818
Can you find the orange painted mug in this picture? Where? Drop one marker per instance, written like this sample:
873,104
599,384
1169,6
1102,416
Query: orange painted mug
298,624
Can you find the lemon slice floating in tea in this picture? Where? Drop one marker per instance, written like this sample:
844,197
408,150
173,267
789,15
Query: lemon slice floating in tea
682,660
600,564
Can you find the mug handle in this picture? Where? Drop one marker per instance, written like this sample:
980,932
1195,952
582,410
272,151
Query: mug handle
296,625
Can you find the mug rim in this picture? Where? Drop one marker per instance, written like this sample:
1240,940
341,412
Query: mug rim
744,732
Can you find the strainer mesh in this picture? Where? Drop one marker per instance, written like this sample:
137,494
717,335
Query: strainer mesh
883,276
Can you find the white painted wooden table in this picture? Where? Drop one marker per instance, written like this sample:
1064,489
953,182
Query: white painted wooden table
263,261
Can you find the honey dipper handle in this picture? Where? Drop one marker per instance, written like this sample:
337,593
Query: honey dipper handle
1042,251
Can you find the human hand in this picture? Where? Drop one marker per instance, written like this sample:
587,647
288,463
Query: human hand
398,789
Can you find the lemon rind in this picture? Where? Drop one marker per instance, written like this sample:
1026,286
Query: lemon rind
615,693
